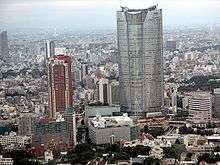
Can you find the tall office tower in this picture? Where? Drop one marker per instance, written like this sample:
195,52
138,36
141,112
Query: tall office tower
3,45
140,45
50,49
70,118
60,84
200,108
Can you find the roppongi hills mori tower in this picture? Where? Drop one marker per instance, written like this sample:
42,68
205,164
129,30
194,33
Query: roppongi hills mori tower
140,45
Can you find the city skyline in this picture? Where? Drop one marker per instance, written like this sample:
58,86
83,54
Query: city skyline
77,15
106,82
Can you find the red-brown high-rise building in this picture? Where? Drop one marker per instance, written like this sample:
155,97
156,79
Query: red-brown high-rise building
60,84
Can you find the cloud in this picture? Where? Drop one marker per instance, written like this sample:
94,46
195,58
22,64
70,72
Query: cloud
100,13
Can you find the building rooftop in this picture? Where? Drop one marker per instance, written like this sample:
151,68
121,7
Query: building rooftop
123,9
113,121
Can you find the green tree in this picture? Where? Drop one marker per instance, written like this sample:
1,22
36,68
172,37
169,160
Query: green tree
154,131
121,156
81,154
1,149
217,149
174,151
152,161
188,156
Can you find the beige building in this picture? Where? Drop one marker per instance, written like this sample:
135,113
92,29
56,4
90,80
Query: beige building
14,139
200,108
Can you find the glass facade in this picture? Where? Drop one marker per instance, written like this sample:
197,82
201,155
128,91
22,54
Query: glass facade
140,60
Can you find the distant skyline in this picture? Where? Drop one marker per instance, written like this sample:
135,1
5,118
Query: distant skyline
100,14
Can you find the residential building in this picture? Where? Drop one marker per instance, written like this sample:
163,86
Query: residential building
114,93
103,90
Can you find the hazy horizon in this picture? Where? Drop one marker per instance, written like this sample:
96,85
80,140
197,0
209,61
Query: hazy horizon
100,14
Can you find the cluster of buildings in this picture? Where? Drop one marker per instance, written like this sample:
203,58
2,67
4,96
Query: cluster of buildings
115,89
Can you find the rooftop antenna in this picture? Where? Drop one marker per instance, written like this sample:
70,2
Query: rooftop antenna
124,8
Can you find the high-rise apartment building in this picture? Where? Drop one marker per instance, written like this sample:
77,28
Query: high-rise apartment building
50,49
60,84
114,92
140,45
103,90
3,45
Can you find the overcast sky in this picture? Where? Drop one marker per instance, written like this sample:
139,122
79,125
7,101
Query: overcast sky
100,14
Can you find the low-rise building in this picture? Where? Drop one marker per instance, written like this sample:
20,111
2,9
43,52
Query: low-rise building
14,139
6,161
92,111
101,129
48,155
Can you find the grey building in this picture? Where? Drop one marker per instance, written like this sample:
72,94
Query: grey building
171,45
50,49
92,111
216,103
114,93
3,45
140,45
26,124
103,129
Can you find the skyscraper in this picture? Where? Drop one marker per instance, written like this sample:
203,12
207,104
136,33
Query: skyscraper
60,84
70,118
140,45
50,49
3,45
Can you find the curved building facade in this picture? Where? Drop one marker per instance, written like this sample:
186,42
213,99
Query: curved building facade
140,45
